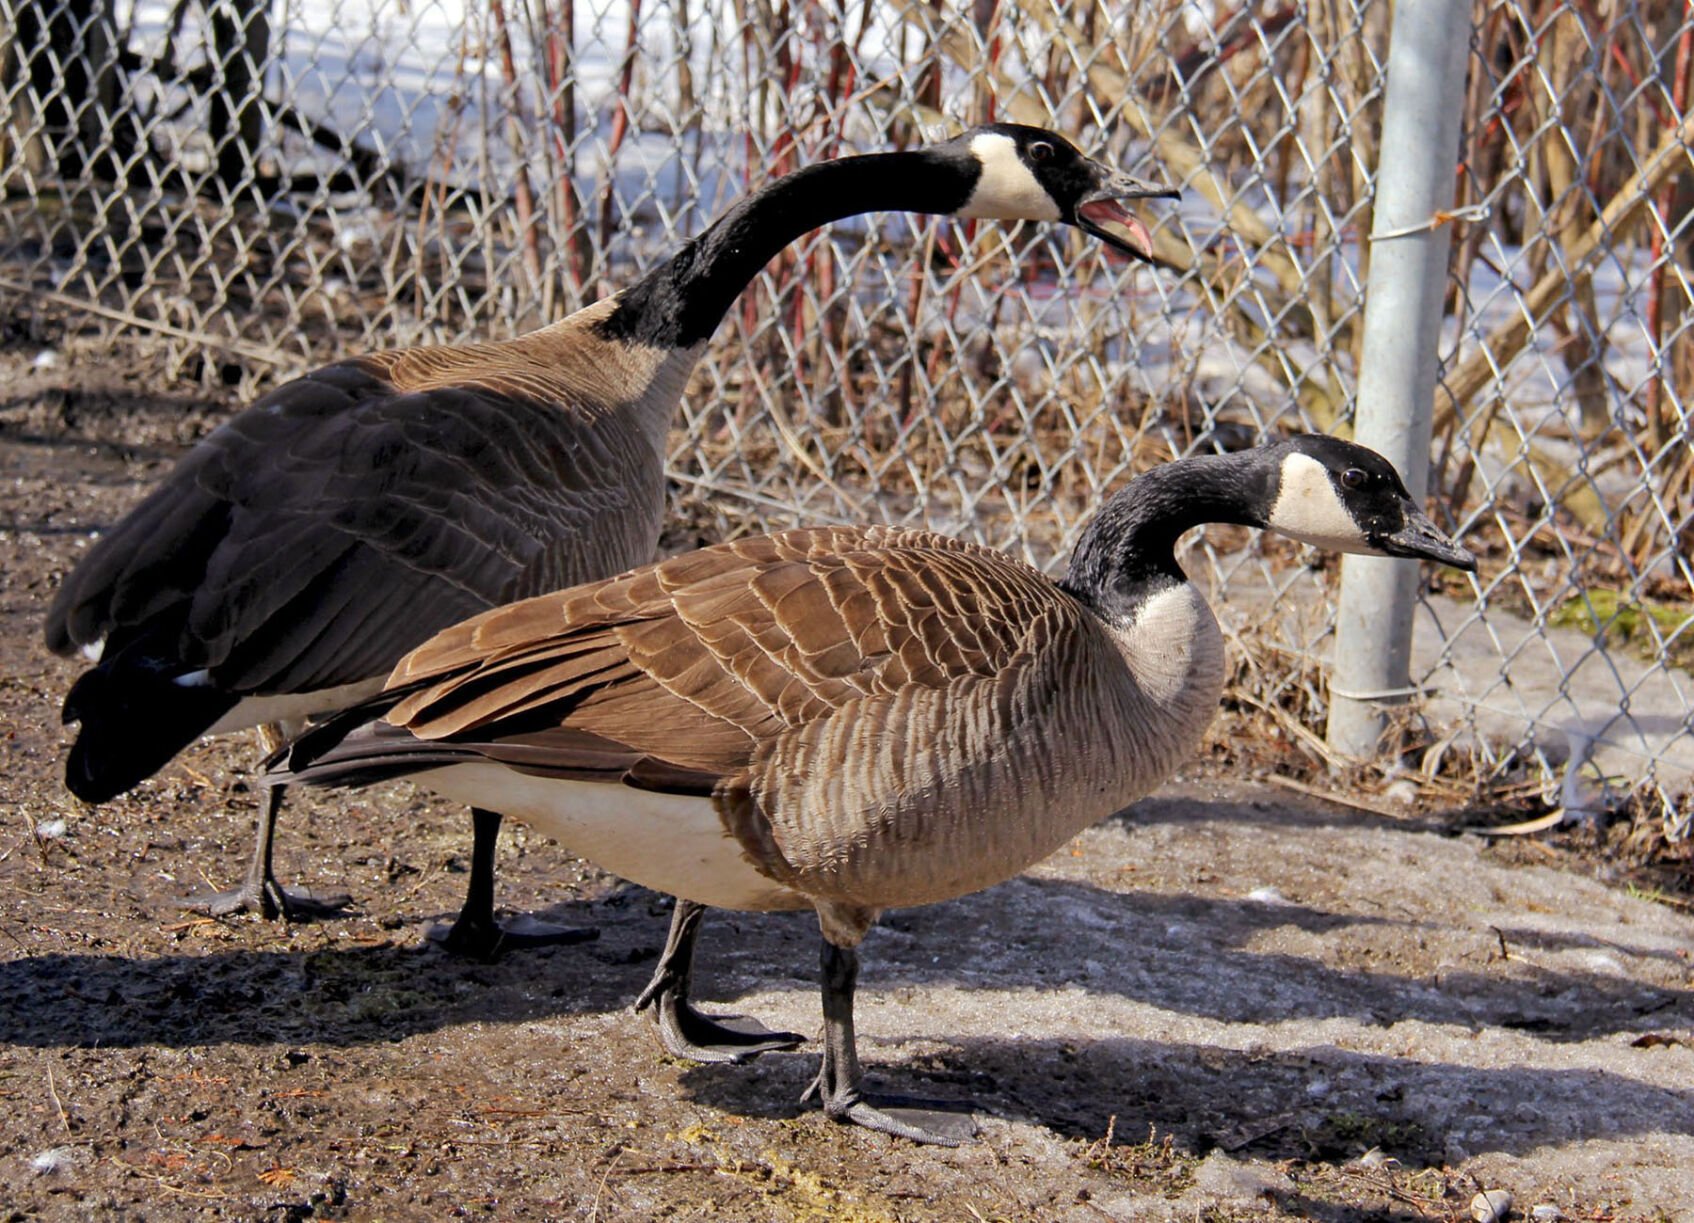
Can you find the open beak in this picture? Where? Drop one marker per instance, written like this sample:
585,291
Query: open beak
1421,539
1101,212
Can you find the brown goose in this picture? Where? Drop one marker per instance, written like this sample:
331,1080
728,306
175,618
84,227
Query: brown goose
297,552
852,719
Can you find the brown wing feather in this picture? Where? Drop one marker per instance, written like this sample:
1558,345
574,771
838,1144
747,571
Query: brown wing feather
697,662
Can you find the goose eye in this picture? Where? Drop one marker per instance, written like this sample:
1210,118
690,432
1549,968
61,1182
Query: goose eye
1040,151
1354,477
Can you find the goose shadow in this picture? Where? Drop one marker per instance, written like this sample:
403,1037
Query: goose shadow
1317,1102
1187,955
1278,809
1223,959
79,444
67,422
341,996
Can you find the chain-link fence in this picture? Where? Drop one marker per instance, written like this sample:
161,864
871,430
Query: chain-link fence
265,184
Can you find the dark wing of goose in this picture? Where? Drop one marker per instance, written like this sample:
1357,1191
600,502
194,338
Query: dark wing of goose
687,666
340,520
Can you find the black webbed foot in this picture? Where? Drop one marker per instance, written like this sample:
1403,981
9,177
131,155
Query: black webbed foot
838,1086
476,938
934,1122
270,900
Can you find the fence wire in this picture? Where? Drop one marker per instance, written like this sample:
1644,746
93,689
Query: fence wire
263,185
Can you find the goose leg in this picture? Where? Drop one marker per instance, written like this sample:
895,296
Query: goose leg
474,933
260,892
684,1031
839,1080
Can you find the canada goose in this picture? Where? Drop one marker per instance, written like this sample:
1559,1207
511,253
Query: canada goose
850,719
298,551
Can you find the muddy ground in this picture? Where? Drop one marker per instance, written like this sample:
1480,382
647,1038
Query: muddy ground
1232,1002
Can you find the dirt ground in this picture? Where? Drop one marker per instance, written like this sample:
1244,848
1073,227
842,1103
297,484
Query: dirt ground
1232,1002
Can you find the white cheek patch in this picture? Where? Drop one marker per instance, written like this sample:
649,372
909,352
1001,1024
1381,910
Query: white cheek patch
1006,190
1309,509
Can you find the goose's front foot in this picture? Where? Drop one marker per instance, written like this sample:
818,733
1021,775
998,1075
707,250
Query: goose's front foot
479,937
933,1122
839,1081
684,1031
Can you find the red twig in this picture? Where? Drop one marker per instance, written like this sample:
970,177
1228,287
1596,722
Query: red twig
561,56
788,71
1635,83
1240,30
1656,295
620,123
996,49
522,193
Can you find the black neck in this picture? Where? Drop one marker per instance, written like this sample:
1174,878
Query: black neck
1128,552
680,303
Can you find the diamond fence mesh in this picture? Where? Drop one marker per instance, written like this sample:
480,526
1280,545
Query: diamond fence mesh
262,185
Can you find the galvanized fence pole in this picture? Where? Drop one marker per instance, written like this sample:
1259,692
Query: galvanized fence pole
1424,97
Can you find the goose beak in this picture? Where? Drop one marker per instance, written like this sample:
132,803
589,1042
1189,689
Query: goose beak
1100,212
1420,539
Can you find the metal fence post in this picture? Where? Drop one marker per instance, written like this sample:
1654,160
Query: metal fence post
1424,98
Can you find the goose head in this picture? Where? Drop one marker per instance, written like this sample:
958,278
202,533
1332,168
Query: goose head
1032,174
1339,495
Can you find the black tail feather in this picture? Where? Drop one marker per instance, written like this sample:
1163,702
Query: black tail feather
356,751
134,719
322,737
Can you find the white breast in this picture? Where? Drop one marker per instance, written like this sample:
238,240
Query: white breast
668,842
1174,650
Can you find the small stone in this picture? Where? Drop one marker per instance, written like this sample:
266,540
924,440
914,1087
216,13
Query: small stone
1267,896
1402,793
1491,1205
1546,1213
51,830
47,358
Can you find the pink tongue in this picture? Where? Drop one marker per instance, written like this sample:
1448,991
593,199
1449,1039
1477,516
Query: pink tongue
1114,215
